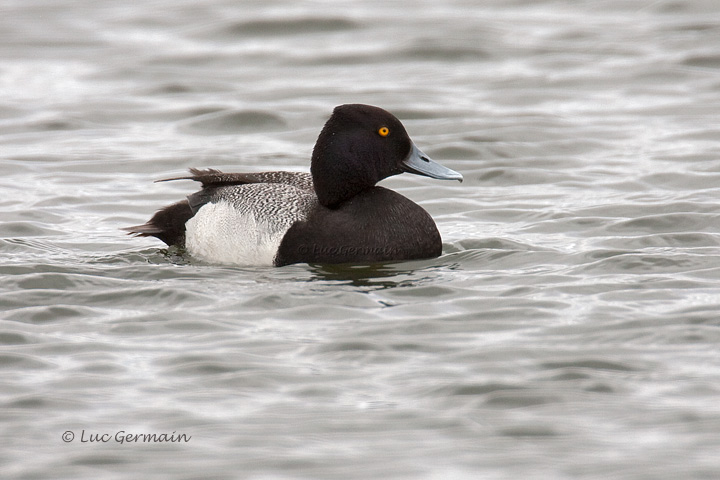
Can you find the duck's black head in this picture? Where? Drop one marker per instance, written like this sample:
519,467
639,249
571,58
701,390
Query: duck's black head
361,145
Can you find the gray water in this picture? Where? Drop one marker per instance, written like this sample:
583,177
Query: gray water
570,330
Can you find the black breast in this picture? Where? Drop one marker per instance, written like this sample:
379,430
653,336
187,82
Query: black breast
377,225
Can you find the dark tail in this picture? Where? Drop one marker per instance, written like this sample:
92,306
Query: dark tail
168,224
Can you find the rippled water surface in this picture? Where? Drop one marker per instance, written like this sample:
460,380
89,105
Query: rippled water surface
570,329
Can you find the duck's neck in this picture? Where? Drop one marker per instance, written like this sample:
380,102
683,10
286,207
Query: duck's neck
339,175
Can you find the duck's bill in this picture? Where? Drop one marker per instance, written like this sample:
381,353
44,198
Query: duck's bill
420,164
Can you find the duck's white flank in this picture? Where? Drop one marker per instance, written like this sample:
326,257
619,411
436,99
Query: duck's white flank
220,233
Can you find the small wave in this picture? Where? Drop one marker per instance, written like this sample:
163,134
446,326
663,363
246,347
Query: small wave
229,122
664,223
288,26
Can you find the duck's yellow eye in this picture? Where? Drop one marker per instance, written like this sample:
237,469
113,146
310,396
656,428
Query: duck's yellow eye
384,131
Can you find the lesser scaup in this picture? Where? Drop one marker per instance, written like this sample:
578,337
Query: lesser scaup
334,214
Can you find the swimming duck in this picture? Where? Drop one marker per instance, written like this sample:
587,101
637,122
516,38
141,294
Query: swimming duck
334,214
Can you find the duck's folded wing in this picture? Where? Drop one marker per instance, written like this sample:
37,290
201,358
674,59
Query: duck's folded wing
293,190
215,178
